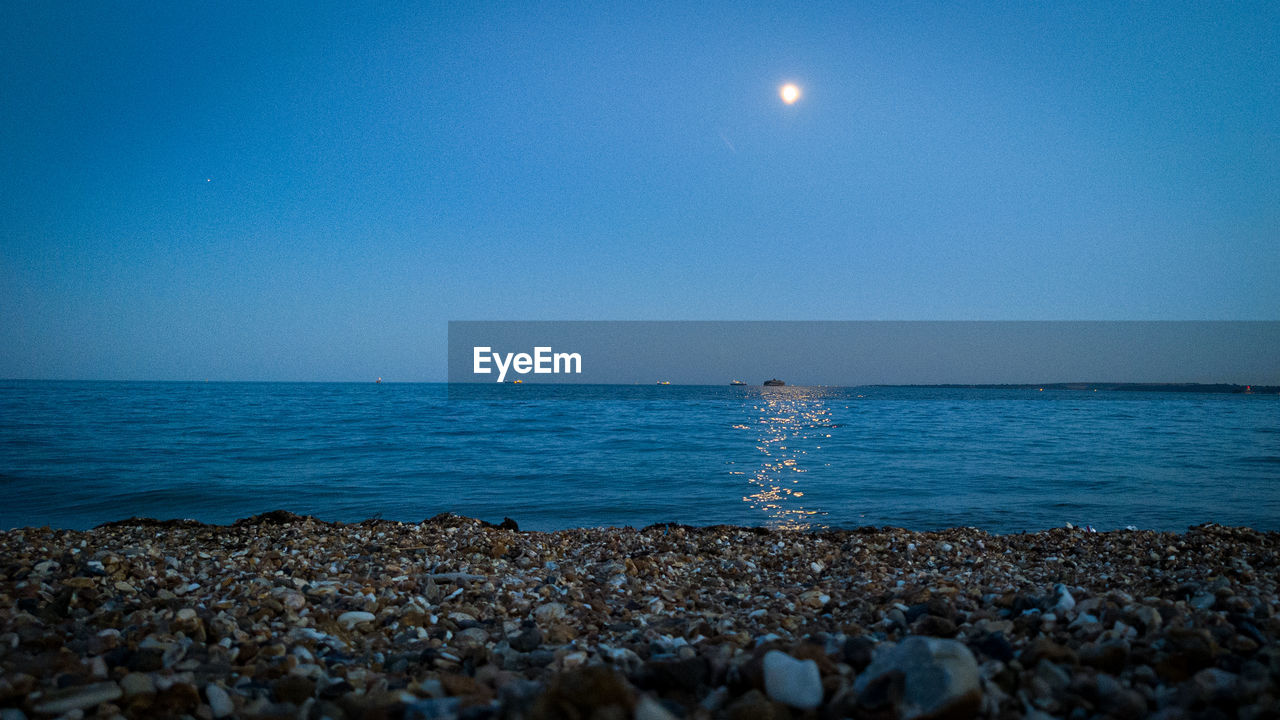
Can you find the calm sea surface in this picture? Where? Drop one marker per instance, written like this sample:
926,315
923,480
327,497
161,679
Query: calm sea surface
77,454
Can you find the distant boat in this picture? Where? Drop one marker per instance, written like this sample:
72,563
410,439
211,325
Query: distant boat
774,383
664,382
737,382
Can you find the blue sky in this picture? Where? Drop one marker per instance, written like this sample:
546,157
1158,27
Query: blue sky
227,191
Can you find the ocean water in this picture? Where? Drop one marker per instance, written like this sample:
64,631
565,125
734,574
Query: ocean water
76,454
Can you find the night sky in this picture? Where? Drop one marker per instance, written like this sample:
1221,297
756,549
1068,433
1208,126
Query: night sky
236,192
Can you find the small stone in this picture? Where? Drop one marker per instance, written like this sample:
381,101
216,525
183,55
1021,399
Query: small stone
457,685
755,706
996,646
527,640
136,683
293,689
814,598
1083,619
1062,599
80,697
561,633
1203,601
896,618
1216,685
1149,617
587,692
715,699
858,651
355,617
792,682
935,677
1189,650
666,676
1110,656
649,709
1242,645
1045,649
935,626
1125,703
1054,676
471,638
219,701
432,709
103,642
549,613
180,698
189,623
540,658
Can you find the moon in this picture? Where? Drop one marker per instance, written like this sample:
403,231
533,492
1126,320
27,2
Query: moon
789,93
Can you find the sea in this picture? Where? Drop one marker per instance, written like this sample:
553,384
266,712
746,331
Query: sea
77,454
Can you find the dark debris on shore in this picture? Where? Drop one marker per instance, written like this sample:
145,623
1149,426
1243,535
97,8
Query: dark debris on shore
287,616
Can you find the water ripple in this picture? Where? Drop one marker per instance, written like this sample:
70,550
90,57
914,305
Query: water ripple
78,454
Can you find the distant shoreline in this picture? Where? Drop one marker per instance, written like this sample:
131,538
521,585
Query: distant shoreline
283,517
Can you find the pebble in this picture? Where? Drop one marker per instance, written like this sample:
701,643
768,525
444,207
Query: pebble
80,697
549,613
355,617
293,689
814,598
527,640
1063,601
938,678
137,684
792,682
219,701
1149,617
1203,601
284,616
471,638
1216,685
649,709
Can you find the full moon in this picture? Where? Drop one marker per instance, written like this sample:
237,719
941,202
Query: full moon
790,93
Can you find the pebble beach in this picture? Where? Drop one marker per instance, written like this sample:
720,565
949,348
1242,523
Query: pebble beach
283,616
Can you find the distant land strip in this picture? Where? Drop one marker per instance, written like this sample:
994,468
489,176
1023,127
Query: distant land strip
1129,387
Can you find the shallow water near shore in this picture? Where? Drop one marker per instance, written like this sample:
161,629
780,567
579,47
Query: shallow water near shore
76,454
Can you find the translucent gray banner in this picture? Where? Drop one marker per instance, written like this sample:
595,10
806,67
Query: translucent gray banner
863,353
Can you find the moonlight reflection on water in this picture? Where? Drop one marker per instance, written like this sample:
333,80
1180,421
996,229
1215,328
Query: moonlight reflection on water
789,423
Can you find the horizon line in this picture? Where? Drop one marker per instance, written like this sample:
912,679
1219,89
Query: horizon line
1056,384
